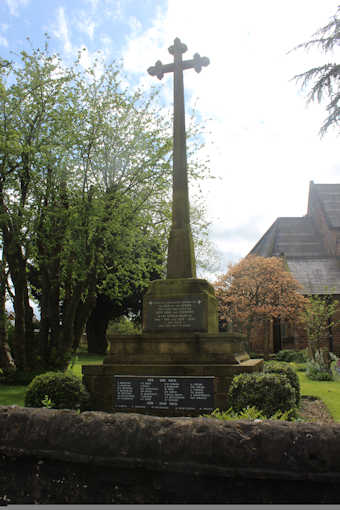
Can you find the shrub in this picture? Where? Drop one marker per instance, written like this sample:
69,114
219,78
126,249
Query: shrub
269,393
65,391
274,367
317,373
290,355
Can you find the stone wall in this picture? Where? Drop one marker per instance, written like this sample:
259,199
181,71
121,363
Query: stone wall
49,456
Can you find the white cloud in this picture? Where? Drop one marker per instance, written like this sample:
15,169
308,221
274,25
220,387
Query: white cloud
266,144
3,41
86,25
61,31
15,5
134,24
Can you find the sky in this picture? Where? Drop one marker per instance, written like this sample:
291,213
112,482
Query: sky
262,139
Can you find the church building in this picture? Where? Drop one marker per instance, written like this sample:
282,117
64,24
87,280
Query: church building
310,246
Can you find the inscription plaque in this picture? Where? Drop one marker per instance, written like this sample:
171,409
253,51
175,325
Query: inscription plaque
176,314
164,392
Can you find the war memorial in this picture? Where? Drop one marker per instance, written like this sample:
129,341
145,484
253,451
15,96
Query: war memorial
180,364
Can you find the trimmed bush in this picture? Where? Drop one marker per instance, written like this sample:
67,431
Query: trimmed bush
63,391
273,367
269,393
291,356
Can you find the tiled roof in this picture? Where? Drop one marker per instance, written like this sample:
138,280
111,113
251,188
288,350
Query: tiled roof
307,259
329,196
293,237
316,275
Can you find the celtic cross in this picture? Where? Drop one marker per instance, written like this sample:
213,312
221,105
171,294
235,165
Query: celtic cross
181,257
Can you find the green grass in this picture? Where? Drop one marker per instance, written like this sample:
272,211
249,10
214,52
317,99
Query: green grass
327,391
85,359
10,395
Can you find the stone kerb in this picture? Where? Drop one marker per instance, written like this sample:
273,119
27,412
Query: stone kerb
257,454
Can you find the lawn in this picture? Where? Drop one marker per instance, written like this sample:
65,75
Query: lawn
327,391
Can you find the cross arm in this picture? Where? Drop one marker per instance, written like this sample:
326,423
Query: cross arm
196,63
160,69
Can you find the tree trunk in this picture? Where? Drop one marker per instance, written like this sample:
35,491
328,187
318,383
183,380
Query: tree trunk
97,324
84,310
277,335
6,361
249,328
19,338
267,325
96,334
17,269
31,345
44,348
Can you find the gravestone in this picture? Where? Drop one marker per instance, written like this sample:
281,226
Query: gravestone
180,364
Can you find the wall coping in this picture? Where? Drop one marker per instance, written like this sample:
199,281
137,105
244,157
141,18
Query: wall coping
259,450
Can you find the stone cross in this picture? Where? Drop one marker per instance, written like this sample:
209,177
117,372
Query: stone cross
181,256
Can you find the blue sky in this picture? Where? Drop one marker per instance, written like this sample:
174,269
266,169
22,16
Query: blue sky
263,145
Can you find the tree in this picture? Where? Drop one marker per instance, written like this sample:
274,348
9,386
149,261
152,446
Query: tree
85,184
85,169
318,319
110,306
255,290
324,80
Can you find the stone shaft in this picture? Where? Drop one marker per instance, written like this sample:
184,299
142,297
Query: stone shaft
181,255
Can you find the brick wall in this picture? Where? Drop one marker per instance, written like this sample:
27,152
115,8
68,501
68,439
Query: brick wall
294,336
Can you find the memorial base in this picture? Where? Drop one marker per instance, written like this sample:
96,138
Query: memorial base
220,355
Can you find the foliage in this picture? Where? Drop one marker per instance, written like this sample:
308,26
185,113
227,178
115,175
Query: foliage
65,391
316,372
85,199
318,321
290,356
257,289
252,414
267,392
324,80
123,326
273,367
47,402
